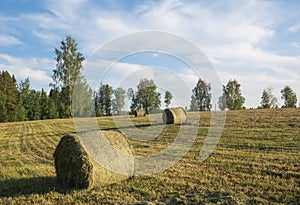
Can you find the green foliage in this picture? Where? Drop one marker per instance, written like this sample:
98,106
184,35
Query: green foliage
289,97
68,71
118,101
11,108
201,98
57,100
168,98
232,97
222,102
103,100
132,97
82,100
268,100
146,97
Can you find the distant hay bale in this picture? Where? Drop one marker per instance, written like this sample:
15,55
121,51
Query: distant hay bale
140,113
73,165
77,168
174,116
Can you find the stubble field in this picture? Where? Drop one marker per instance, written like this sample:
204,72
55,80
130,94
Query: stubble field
255,162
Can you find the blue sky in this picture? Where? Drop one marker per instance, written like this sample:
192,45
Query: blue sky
255,42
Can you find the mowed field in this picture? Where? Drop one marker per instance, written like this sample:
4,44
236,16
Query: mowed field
257,161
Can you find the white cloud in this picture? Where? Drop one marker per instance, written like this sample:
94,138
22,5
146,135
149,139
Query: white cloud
294,28
36,69
7,40
295,44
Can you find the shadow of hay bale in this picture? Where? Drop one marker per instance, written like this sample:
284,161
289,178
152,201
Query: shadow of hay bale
26,186
76,159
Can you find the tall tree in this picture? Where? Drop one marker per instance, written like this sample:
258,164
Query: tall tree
222,102
35,111
55,97
68,70
289,97
10,100
201,98
131,95
147,97
24,90
82,100
103,100
52,112
268,100
168,98
118,101
232,96
44,104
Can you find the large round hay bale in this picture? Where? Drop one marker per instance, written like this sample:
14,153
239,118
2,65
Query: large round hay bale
76,159
140,113
73,165
102,156
174,116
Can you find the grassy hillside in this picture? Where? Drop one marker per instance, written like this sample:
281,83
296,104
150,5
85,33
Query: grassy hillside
256,161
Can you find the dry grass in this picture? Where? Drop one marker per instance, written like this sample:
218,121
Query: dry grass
255,162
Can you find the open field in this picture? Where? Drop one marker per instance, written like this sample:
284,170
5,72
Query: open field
257,161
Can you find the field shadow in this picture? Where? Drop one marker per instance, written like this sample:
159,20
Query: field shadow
26,186
133,126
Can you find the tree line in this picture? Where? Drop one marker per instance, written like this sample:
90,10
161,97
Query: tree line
19,102
232,98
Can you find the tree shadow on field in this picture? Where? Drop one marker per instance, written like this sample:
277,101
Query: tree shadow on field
26,186
132,126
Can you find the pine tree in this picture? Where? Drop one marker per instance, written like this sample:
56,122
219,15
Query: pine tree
55,98
10,101
103,100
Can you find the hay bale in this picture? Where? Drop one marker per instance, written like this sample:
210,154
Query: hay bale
76,159
93,141
174,116
73,165
140,113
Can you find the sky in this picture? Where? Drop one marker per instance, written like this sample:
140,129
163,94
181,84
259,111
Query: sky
255,42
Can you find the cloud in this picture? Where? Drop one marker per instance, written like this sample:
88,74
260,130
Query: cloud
7,40
294,28
36,69
295,44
